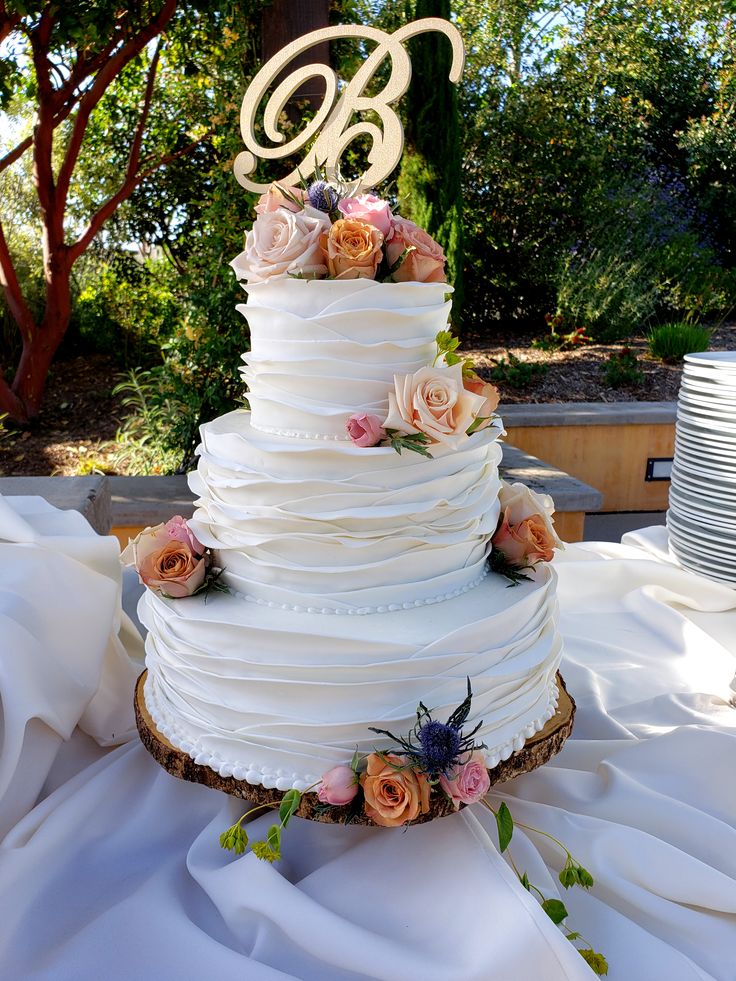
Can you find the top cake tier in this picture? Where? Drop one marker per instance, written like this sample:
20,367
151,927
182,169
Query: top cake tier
323,350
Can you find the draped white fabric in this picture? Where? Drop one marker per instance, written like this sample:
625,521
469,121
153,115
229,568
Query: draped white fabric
117,873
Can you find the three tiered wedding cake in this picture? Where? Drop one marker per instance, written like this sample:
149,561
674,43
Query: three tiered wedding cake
358,576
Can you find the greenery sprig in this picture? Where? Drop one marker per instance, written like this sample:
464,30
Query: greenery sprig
500,564
416,442
571,874
236,839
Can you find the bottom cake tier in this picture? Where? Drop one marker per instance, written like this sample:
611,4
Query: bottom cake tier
277,698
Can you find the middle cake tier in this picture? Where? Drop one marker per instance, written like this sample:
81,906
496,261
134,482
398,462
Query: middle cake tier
328,527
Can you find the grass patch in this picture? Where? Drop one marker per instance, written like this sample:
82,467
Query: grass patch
671,342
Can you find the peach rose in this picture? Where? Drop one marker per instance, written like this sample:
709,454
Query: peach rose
425,263
281,243
275,198
525,543
474,383
467,783
394,793
365,429
519,502
433,401
352,249
368,208
339,785
167,566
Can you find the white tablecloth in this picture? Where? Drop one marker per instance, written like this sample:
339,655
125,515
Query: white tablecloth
117,873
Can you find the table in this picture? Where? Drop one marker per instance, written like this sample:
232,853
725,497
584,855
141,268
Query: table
116,872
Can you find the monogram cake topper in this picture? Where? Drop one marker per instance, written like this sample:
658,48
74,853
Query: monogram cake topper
332,129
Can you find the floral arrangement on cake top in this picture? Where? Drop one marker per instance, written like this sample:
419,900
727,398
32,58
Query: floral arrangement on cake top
327,230
394,787
171,561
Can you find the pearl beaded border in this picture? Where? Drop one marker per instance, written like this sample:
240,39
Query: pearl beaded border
298,434
365,610
284,780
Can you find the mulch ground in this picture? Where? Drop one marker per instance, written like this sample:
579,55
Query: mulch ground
75,433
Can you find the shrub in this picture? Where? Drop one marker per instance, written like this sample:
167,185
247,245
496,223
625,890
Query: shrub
671,342
622,369
515,372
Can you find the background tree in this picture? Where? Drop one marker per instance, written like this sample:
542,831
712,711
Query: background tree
430,191
71,60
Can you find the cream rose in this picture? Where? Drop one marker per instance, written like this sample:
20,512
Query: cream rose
394,792
425,263
435,402
282,243
352,249
166,564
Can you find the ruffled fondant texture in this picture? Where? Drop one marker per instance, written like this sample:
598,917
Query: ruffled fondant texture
321,351
255,684
278,699
337,528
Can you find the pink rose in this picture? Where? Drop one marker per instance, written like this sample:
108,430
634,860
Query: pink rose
339,785
525,543
474,383
178,529
467,783
282,243
370,209
275,198
365,429
425,263
435,402
165,564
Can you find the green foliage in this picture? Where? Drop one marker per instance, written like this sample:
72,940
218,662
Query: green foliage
594,960
430,191
505,826
622,370
515,372
671,342
554,341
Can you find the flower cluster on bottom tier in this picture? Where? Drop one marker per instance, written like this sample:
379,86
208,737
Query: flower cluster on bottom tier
277,698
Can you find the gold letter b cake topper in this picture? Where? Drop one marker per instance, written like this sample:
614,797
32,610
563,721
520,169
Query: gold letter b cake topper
332,124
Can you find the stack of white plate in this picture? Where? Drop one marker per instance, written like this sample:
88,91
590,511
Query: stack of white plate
702,515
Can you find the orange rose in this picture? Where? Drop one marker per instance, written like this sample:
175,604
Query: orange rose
527,542
475,384
393,796
352,249
165,564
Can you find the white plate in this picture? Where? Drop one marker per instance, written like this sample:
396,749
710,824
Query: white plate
709,453
723,504
707,401
721,466
709,408
705,389
688,502
725,483
721,360
701,565
708,422
721,548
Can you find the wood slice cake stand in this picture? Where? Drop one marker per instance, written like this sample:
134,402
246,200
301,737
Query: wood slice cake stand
535,752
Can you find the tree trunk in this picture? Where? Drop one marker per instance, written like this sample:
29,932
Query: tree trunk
284,21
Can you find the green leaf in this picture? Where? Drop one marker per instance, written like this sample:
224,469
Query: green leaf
584,878
573,936
505,824
415,442
476,424
595,960
356,760
524,880
451,359
289,805
555,910
568,877
274,838
446,343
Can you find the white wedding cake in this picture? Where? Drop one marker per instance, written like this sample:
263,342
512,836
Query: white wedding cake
357,576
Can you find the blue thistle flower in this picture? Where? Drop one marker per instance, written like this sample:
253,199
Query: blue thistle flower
322,196
439,746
